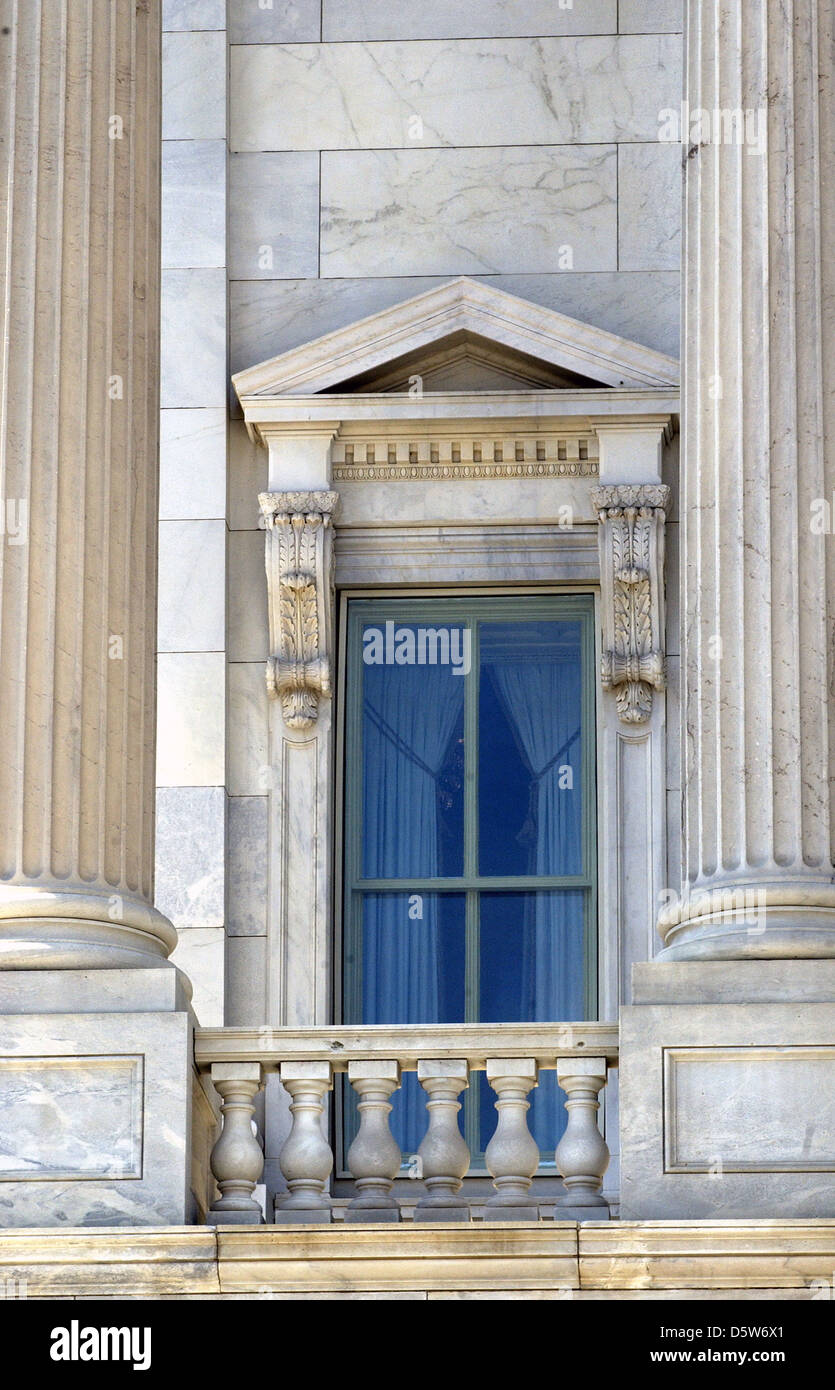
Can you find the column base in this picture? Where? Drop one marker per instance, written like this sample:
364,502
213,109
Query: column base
724,1074
50,927
788,919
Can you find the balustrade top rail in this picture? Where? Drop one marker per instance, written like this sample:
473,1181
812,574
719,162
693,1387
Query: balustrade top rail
408,1045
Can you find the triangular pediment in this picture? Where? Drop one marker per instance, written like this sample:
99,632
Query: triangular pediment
464,361
463,336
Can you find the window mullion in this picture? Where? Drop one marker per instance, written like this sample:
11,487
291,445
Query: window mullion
471,757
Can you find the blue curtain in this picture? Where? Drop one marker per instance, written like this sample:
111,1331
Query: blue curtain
542,701
410,715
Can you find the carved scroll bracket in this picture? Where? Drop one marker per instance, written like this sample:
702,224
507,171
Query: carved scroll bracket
632,520
300,600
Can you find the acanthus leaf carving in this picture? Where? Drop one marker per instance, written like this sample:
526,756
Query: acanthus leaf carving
300,600
632,520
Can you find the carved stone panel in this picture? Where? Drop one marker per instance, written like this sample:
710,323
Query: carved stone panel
299,561
631,537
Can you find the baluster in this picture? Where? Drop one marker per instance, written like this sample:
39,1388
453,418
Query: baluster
443,1153
512,1156
374,1156
306,1159
582,1153
237,1160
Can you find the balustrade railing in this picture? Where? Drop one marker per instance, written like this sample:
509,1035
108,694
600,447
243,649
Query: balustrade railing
444,1057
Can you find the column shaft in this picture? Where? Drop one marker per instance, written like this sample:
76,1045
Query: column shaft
80,180
758,575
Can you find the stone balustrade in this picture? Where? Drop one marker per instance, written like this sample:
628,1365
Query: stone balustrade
308,1060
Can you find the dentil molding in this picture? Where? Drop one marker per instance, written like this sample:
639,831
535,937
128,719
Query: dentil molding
631,538
299,561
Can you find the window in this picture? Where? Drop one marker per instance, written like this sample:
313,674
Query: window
469,825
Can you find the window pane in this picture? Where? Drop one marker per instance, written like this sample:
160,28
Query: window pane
412,972
413,750
412,958
532,957
530,756
532,970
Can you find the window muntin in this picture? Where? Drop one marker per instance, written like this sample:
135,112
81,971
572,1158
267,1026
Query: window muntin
470,856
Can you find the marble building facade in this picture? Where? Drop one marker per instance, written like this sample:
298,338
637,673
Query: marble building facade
419,297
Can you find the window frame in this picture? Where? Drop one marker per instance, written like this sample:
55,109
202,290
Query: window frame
450,607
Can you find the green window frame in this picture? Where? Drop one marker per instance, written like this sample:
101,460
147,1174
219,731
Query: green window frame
443,611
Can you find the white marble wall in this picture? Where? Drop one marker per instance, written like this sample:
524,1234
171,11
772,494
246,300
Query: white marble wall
381,147
375,149
191,638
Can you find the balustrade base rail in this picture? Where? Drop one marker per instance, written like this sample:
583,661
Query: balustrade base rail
374,1059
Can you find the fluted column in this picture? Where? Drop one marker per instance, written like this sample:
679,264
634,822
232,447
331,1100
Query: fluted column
759,471
79,84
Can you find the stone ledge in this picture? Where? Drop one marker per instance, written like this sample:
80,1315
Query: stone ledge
652,1260
111,1262
386,1258
706,1254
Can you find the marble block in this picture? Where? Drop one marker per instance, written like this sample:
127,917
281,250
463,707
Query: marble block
727,1111
193,338
156,990
191,699
193,14
462,94
651,16
273,215
192,464
438,19
200,954
189,855
95,1119
192,588
649,199
447,212
734,982
193,203
286,21
194,86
